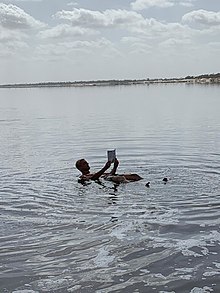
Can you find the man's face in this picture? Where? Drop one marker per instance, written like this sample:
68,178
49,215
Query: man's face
84,166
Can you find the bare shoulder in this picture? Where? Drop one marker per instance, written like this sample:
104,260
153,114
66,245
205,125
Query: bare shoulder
86,177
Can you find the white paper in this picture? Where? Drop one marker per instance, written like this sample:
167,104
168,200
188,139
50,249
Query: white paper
111,155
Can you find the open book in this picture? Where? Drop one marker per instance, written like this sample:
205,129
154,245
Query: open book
111,155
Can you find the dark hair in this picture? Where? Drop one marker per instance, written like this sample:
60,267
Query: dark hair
78,163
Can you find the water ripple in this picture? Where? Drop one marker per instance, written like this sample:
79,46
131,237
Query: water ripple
57,235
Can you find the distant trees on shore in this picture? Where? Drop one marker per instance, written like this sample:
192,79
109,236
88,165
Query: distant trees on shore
212,75
213,78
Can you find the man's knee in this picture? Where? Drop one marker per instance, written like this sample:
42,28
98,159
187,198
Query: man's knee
133,177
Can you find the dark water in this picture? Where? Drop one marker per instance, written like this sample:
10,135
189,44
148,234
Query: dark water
59,236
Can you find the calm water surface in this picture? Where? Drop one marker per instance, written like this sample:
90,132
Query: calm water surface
57,235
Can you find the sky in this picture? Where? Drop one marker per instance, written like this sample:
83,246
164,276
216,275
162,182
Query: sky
64,40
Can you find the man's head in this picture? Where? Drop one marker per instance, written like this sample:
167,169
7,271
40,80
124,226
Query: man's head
83,166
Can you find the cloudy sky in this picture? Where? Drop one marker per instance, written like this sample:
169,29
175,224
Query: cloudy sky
60,40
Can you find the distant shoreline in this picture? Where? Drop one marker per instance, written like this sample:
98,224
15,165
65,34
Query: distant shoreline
202,79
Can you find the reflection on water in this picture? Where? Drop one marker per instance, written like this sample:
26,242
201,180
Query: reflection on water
58,235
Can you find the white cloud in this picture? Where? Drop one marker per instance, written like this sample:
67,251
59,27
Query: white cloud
131,40
82,47
13,17
99,44
158,37
153,29
132,22
112,43
8,35
202,17
97,19
17,31
143,4
72,4
115,19
174,43
186,4
65,31
10,47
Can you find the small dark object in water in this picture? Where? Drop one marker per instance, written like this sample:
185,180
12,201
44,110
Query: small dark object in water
147,184
114,219
165,179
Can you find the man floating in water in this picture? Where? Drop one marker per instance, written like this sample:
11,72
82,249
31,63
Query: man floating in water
83,166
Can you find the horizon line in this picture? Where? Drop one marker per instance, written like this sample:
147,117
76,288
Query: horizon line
208,75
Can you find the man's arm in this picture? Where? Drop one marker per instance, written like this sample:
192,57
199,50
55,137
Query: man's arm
116,163
101,172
